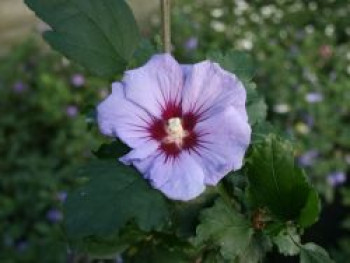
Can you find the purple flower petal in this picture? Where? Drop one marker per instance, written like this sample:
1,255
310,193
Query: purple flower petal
308,158
19,87
119,117
314,97
78,80
209,90
191,44
187,125
179,179
54,215
336,178
218,156
72,111
155,84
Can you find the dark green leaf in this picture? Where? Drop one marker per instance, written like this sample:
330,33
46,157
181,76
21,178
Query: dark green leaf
236,62
277,183
142,54
312,253
311,211
114,195
258,246
100,35
111,245
157,253
112,150
186,214
224,227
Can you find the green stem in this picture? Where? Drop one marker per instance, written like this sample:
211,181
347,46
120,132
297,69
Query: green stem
166,25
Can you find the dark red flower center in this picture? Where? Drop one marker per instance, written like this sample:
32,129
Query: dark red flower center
174,130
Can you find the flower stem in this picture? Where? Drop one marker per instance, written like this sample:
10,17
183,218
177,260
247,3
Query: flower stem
166,27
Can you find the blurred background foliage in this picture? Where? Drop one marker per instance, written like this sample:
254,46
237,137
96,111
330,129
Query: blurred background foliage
302,55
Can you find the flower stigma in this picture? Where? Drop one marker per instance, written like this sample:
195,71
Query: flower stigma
175,131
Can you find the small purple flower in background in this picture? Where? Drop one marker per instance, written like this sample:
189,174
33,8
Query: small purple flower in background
78,80
54,215
19,87
336,178
61,196
72,111
308,158
314,97
191,44
187,125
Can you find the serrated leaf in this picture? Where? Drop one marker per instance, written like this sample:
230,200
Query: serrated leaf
312,253
100,35
237,62
277,183
224,227
114,195
286,242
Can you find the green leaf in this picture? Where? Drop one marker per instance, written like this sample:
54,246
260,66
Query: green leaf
312,253
258,246
100,35
311,211
224,227
186,214
237,62
154,253
112,150
114,195
286,242
277,183
142,54
108,247
256,106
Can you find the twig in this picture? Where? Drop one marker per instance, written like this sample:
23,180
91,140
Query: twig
166,25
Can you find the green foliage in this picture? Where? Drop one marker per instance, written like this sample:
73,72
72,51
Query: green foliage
236,62
241,64
113,196
311,253
112,150
277,183
225,227
256,106
287,242
100,35
39,145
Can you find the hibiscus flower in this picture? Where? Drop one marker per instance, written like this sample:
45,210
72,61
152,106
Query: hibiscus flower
186,125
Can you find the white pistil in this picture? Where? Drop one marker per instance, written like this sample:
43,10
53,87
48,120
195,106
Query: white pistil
176,132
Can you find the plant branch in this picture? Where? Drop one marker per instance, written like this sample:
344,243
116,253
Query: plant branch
166,25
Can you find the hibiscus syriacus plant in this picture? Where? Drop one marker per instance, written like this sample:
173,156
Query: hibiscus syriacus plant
192,172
